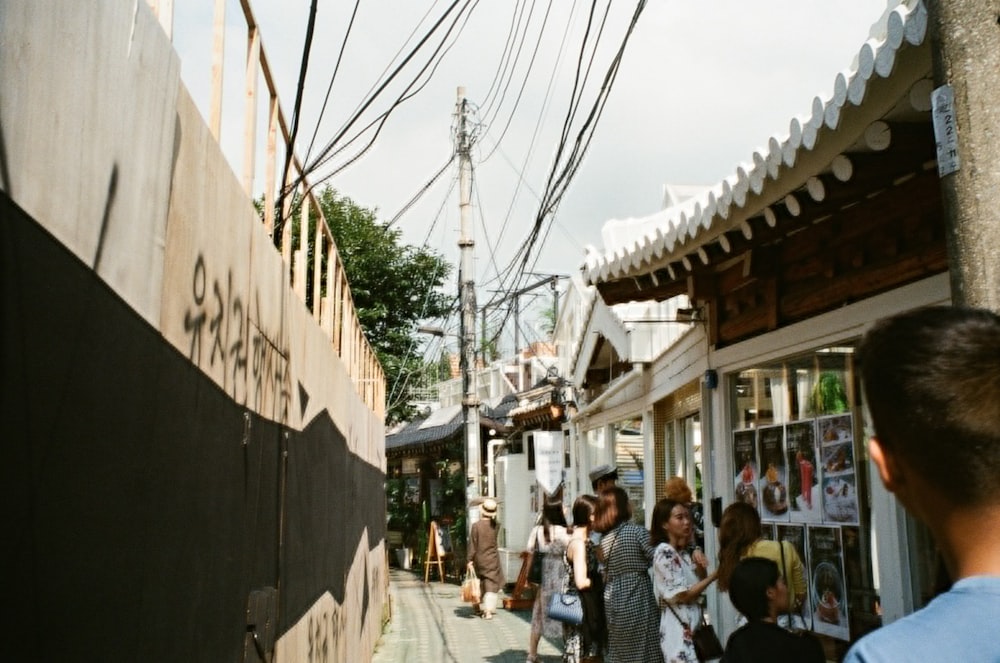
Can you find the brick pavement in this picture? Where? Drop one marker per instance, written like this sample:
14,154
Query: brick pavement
431,623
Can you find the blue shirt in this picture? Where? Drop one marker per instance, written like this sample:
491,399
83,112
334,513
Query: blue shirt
959,625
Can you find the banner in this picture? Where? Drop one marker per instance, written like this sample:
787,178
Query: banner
549,459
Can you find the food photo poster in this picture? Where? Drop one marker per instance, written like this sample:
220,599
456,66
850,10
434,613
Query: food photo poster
828,592
804,500
745,464
840,487
773,483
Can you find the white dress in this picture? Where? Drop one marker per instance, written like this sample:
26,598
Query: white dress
673,572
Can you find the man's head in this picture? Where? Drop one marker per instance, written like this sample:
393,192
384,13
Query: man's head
603,477
757,589
931,380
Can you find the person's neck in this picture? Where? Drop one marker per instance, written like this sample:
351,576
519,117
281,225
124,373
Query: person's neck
968,555
677,544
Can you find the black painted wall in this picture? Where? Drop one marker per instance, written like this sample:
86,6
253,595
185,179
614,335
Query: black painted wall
143,502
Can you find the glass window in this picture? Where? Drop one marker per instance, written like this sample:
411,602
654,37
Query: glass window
797,454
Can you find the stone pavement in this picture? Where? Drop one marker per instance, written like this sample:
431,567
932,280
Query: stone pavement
431,623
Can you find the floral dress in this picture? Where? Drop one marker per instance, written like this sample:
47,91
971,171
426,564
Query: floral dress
587,639
553,575
673,572
633,618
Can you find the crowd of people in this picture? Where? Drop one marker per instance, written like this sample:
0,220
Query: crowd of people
642,590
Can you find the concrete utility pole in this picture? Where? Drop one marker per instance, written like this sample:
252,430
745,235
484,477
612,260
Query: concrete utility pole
965,43
467,297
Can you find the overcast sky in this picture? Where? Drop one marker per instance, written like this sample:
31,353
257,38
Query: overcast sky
701,85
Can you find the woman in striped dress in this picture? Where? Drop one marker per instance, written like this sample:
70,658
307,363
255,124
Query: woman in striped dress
632,614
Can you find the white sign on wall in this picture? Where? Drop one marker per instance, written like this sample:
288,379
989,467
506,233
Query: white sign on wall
549,459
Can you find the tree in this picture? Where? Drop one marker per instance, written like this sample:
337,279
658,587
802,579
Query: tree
394,285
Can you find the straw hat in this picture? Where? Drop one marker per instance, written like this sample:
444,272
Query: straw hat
489,507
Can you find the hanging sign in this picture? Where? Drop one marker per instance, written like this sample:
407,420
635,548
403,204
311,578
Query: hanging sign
549,459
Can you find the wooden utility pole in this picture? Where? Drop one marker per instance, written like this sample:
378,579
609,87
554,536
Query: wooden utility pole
467,298
965,43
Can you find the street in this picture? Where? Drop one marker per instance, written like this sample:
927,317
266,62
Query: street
431,623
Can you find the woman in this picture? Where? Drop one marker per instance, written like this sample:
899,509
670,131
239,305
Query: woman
677,489
633,618
584,643
551,537
484,557
758,591
740,536
678,582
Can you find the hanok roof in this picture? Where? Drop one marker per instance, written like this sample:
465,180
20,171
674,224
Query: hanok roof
835,156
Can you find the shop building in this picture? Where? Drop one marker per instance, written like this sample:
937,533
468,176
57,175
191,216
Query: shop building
778,271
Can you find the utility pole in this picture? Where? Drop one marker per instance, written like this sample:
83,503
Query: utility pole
965,48
467,298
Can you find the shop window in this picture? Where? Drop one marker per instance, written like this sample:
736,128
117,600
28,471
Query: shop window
796,452
628,449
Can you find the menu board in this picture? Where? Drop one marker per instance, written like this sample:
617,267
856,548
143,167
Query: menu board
745,464
826,582
773,480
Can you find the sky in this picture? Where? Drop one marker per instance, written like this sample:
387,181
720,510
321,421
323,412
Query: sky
700,86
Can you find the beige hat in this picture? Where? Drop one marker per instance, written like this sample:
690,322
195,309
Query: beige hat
489,507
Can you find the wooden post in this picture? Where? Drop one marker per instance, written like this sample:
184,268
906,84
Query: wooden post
435,553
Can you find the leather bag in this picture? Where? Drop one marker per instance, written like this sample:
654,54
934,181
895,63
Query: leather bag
706,643
566,607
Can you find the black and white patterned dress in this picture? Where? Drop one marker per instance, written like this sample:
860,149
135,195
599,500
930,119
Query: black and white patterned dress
633,618
586,639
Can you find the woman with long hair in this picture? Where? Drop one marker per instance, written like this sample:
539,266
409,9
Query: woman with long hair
740,536
759,592
678,582
550,536
584,643
633,618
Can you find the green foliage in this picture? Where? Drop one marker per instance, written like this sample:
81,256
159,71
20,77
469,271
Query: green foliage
394,286
828,395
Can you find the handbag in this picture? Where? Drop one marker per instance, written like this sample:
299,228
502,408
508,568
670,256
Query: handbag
566,607
471,591
537,559
707,645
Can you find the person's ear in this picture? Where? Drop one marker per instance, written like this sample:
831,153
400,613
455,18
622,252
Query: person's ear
888,469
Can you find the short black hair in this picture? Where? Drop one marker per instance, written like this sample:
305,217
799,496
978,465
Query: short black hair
748,586
931,380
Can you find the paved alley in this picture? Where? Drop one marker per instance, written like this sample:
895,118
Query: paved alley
431,623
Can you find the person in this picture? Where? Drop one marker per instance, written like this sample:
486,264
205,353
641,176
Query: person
603,477
678,582
632,615
931,379
758,590
584,643
678,490
484,557
740,536
551,536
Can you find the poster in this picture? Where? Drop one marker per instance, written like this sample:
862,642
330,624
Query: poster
773,483
796,535
549,459
803,480
840,489
767,531
745,466
411,496
828,592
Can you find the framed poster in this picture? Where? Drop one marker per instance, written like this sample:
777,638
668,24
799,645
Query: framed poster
796,535
827,589
840,487
773,483
803,480
745,467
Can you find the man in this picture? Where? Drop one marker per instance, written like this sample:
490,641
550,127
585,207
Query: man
931,378
603,477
